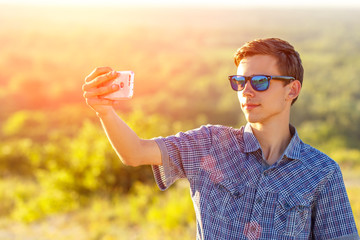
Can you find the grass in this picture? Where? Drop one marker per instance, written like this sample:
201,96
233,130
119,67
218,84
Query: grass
146,213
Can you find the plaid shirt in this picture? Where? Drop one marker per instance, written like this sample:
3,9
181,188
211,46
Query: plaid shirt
236,196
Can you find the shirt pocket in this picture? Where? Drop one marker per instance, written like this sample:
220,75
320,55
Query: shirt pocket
292,215
226,199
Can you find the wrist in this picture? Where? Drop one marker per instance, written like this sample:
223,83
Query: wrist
105,114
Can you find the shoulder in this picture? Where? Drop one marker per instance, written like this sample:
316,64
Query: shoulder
316,160
207,135
224,138
214,130
321,170
220,132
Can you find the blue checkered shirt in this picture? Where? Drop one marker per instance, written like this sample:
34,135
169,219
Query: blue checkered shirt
237,196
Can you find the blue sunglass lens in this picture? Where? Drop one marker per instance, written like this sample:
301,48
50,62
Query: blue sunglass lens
237,83
260,83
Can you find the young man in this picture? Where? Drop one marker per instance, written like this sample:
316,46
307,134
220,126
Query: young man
257,182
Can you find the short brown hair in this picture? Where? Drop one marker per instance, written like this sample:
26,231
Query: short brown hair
289,61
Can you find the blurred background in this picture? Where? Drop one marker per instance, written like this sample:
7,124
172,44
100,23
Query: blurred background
60,179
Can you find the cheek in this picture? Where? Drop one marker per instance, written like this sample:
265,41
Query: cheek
275,101
239,94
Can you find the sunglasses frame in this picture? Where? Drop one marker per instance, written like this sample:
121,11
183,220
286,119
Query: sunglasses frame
250,78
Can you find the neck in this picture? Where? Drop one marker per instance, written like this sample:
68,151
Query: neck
273,137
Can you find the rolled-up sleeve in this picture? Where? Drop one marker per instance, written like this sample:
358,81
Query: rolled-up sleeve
333,217
181,155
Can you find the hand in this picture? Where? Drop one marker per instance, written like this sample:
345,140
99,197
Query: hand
96,85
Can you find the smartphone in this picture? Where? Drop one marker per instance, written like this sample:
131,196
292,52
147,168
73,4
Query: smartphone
125,80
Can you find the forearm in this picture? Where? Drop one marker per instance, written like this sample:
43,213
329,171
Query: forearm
131,149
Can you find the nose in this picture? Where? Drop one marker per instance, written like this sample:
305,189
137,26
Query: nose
248,90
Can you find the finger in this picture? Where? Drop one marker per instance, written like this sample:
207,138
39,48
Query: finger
101,91
97,72
100,80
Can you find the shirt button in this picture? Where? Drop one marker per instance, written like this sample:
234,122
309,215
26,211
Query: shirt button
258,200
268,172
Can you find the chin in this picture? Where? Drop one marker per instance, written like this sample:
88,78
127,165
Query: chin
253,119
252,116
250,119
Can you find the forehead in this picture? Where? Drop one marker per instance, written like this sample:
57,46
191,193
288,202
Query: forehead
258,64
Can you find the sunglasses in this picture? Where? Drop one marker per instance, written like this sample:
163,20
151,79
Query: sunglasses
257,82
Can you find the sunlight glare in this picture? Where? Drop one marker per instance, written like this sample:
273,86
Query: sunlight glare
189,3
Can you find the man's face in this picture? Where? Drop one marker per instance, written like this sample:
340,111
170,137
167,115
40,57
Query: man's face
268,105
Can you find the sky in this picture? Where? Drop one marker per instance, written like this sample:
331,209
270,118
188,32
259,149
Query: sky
196,3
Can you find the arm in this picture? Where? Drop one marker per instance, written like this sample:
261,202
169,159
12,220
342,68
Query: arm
131,149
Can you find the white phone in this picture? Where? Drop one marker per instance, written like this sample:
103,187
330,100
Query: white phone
125,80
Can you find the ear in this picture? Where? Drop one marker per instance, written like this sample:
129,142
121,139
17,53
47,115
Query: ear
294,90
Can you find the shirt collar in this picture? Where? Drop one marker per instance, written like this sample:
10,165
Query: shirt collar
292,151
251,144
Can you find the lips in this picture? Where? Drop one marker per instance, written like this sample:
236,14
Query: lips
249,106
